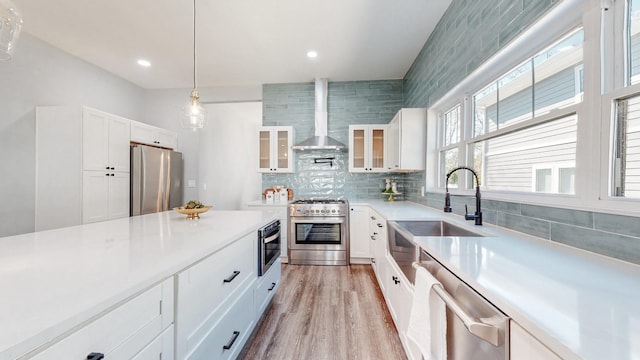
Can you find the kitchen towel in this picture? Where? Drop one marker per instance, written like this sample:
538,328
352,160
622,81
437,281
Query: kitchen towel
428,320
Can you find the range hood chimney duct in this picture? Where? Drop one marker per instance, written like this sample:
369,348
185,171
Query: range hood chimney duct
321,141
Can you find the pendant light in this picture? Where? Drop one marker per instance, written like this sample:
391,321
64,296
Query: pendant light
10,24
194,112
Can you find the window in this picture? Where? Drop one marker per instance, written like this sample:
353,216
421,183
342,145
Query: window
550,80
451,123
633,42
511,161
626,162
451,126
554,178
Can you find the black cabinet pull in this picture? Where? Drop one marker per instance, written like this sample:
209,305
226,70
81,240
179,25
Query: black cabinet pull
107,168
379,225
233,339
113,174
113,168
106,174
233,276
375,233
372,218
95,356
273,286
395,280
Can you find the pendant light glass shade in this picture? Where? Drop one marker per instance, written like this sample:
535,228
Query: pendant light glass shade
10,24
194,112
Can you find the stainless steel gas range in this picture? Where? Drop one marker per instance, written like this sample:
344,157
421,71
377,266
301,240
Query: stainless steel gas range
318,232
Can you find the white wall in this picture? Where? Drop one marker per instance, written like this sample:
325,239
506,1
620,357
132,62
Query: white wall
163,108
228,155
40,74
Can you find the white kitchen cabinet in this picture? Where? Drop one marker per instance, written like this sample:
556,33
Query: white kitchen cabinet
105,196
208,292
399,297
276,155
378,246
74,145
359,234
105,141
406,140
266,288
124,331
367,148
142,133
523,346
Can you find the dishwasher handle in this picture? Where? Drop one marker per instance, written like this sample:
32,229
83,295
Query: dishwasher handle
485,331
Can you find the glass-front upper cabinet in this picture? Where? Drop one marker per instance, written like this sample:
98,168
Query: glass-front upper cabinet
275,149
367,148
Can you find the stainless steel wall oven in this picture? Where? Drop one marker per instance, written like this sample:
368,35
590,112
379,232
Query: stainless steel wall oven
319,232
268,246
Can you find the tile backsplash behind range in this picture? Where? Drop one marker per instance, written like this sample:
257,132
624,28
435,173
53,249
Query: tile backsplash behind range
318,177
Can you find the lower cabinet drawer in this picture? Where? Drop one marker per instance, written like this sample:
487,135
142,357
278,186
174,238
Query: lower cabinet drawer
207,290
266,287
227,337
121,333
159,349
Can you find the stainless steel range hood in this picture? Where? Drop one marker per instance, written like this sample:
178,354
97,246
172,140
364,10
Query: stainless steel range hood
321,141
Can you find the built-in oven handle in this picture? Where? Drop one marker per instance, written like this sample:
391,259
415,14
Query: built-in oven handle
487,332
272,237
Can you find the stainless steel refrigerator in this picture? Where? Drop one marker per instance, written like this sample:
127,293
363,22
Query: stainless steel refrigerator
156,179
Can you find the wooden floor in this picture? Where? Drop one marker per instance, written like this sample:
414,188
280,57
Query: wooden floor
326,312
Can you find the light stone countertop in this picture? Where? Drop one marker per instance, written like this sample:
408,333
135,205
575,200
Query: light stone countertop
580,304
54,280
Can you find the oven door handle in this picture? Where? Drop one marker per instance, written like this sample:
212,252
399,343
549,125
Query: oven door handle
272,237
487,332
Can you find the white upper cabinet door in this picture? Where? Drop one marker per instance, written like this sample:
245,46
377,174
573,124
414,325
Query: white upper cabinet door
275,153
147,134
406,142
119,153
95,140
367,148
105,141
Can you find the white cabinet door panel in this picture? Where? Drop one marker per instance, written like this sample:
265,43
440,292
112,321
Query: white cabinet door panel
118,202
95,196
95,141
119,153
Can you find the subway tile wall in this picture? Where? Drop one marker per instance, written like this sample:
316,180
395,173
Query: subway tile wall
468,34
351,102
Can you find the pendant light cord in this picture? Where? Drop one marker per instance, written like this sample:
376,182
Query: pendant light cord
194,44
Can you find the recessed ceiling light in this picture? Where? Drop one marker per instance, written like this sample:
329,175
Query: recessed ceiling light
312,54
143,62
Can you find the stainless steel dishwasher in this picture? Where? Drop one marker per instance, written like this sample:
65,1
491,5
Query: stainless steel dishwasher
475,328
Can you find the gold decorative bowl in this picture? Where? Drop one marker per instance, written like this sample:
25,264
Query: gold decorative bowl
192,213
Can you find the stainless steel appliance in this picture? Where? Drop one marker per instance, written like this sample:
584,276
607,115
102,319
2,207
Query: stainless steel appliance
156,179
268,246
475,328
318,232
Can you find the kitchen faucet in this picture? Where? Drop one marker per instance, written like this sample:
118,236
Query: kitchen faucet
447,199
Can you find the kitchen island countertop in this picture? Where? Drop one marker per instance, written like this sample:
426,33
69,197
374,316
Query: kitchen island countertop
53,281
580,304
